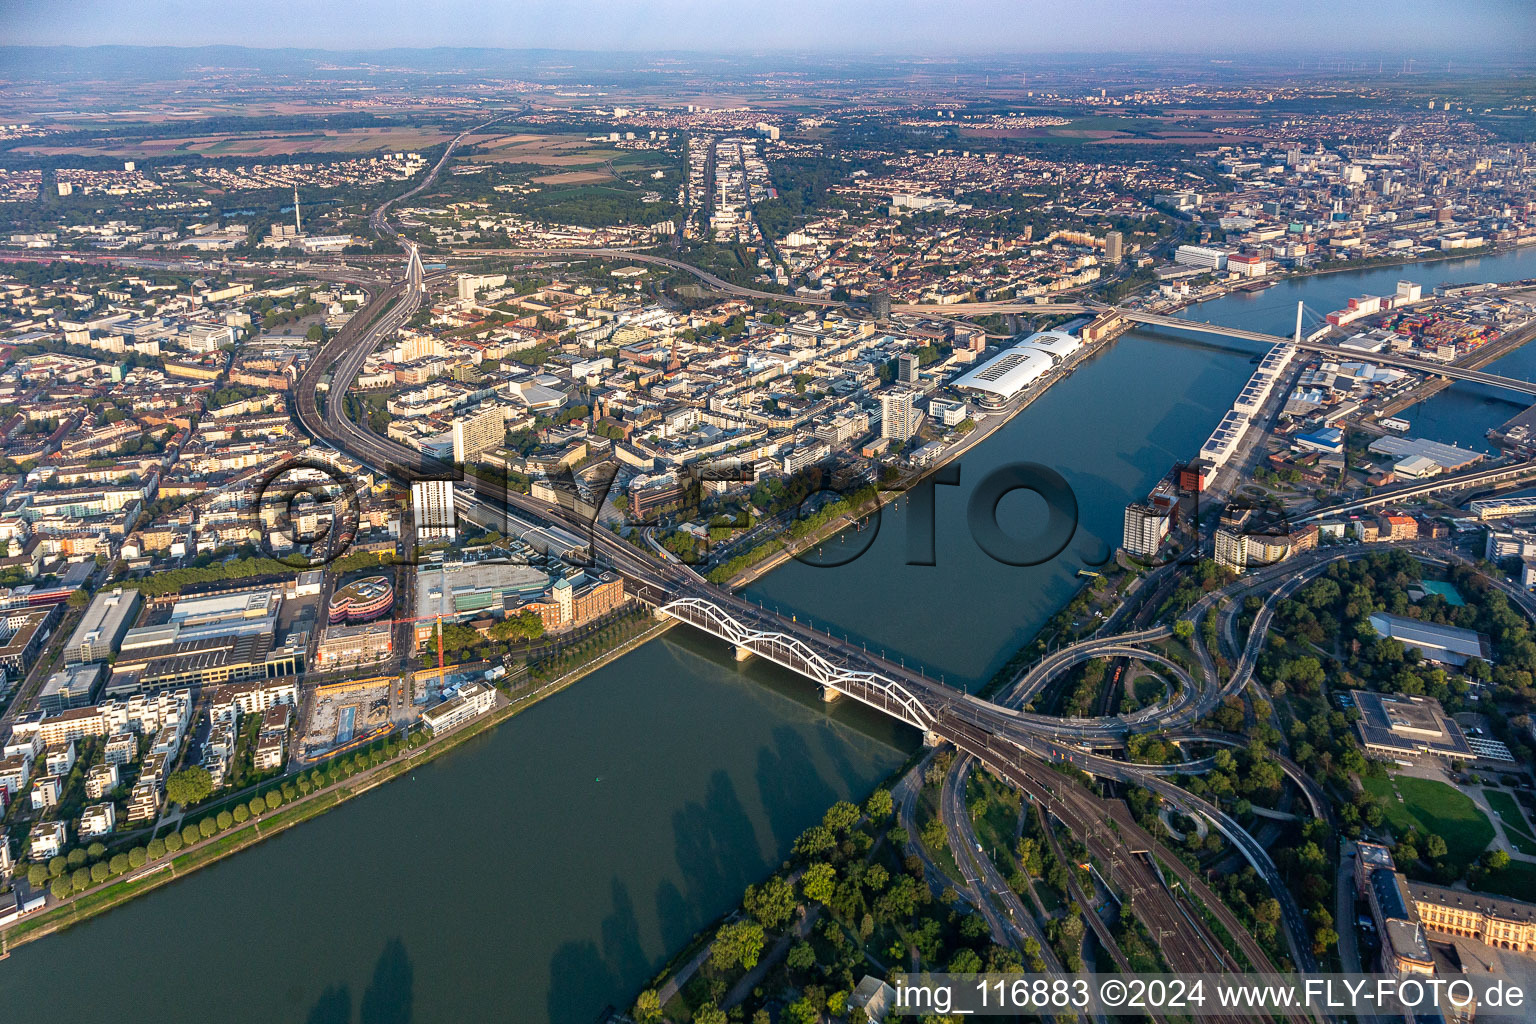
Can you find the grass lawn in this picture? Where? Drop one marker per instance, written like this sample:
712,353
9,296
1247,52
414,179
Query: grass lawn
1437,808
995,817
928,808
1515,825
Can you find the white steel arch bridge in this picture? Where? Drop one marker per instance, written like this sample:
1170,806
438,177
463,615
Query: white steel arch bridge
871,688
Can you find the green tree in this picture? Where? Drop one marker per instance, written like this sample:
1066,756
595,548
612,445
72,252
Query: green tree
241,814
77,858
96,850
801,1011
648,1007
966,961
801,957
815,841
772,903
257,805
738,943
118,864
80,879
207,828
840,817
60,888
37,875
155,849
879,805
709,1014
99,872
138,857
819,882
189,786
274,799
173,842
191,834
225,820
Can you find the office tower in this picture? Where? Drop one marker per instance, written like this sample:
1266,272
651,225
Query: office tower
906,368
880,303
1114,245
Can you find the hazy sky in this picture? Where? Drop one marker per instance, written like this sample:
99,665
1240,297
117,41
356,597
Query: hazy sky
913,26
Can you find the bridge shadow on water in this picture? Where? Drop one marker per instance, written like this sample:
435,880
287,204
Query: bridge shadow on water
585,976
717,855
388,999
790,785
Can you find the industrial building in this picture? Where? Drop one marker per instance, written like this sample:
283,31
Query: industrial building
74,686
110,615
1448,645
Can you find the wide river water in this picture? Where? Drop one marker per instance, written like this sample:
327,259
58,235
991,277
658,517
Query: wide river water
547,870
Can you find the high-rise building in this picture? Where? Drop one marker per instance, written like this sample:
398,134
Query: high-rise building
906,368
898,417
1146,526
1114,247
432,506
1239,546
880,303
478,432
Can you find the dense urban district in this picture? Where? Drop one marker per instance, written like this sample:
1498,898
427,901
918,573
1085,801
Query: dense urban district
344,417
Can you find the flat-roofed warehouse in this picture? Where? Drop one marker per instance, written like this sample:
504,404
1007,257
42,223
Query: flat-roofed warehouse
109,616
1448,645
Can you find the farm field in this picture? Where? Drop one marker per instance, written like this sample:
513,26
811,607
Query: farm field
545,150
255,144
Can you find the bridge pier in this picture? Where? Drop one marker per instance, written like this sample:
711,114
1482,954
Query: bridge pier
829,694
932,739
743,653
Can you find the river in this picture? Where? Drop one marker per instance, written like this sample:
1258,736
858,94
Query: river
549,869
